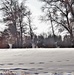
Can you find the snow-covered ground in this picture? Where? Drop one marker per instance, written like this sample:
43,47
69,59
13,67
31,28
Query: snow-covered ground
38,60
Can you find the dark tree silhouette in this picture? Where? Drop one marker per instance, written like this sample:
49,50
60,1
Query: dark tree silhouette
62,14
31,29
14,15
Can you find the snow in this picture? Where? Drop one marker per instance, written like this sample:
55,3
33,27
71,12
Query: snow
38,60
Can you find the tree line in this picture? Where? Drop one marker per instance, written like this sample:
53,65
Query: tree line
61,14
18,19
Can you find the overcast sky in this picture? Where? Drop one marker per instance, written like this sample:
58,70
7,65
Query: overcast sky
35,7
42,27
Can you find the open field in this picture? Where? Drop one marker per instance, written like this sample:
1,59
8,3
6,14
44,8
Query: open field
37,60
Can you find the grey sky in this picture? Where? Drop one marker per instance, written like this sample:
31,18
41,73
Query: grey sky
42,27
35,7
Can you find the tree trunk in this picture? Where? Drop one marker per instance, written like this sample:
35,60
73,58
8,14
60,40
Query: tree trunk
21,38
16,42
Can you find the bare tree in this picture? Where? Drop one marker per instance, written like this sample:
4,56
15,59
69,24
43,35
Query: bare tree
9,8
22,12
60,11
14,17
32,35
